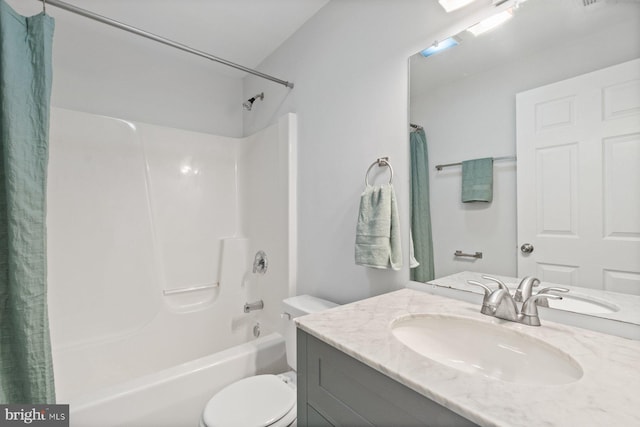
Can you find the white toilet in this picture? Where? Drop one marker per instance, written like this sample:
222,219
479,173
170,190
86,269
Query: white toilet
264,400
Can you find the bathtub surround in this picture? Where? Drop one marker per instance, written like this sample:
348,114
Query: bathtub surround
26,372
152,233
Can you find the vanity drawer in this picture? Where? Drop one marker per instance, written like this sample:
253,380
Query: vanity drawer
343,391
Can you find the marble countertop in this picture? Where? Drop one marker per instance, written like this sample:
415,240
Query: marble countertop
607,393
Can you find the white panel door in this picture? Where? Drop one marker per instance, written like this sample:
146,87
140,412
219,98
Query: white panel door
578,148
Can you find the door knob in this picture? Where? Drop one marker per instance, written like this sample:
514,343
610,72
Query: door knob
527,248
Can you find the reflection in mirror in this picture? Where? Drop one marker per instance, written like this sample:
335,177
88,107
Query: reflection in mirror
465,99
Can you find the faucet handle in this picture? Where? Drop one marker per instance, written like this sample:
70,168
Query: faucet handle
544,302
498,281
552,289
487,290
486,309
529,314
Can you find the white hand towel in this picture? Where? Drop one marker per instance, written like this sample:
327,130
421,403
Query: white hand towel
378,230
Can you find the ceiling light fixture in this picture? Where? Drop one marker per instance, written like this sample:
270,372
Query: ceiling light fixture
451,5
491,22
440,46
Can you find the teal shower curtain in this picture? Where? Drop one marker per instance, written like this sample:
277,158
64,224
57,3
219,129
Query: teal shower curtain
420,211
26,369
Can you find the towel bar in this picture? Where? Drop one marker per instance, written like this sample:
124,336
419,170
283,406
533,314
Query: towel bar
382,161
440,167
476,255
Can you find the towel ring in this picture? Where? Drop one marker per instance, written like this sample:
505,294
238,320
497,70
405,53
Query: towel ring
382,161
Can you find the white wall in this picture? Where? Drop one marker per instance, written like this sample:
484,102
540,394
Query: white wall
349,65
475,117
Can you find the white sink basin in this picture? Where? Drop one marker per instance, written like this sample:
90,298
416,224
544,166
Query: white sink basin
582,304
486,349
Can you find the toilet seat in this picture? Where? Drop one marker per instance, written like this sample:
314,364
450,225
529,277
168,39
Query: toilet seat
259,401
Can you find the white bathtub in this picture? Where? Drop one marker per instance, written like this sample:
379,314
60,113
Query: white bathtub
175,397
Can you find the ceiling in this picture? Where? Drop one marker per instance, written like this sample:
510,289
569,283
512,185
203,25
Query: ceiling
240,31
536,24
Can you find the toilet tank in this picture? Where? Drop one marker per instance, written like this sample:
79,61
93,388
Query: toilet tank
295,307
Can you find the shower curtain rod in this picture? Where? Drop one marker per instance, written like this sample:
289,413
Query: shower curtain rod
88,14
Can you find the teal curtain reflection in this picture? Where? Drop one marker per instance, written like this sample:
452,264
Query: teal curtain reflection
420,211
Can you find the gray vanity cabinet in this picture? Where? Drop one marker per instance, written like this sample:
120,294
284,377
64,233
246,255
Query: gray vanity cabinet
335,389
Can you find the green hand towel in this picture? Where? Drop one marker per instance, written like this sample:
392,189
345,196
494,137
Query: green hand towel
378,230
477,180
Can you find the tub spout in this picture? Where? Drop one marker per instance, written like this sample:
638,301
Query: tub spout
251,306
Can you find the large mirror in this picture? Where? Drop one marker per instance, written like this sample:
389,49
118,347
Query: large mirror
465,98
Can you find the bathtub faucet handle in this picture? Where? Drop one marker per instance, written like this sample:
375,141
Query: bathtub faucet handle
260,263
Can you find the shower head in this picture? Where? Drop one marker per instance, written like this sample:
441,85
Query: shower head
248,104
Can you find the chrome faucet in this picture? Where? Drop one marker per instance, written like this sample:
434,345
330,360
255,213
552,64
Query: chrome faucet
529,315
501,304
525,288
489,309
251,306
487,293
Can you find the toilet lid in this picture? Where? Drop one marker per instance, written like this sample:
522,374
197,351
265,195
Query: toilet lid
257,401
